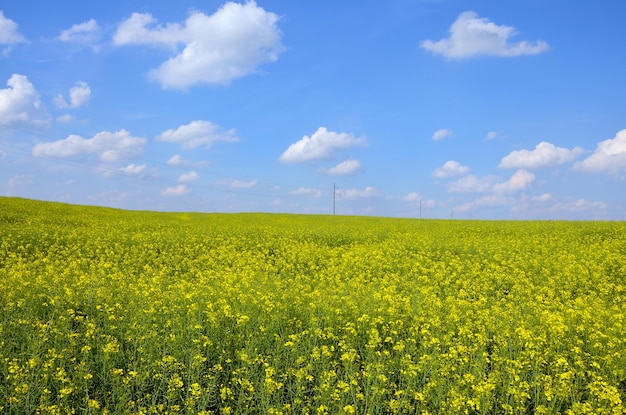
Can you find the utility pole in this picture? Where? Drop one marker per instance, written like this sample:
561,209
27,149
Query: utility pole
334,195
420,208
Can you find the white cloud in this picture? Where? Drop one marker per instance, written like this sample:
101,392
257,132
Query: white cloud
520,180
107,146
487,201
229,44
239,184
472,184
472,36
580,205
415,197
134,169
80,94
86,33
60,102
412,197
450,169
360,193
178,161
198,133
179,190
307,191
546,197
188,177
20,103
491,135
65,118
494,200
323,144
345,168
20,180
9,33
442,133
544,155
609,156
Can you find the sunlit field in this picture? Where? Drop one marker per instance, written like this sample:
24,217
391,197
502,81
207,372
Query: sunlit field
119,312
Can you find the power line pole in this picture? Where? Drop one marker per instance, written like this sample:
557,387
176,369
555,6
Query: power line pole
420,208
334,195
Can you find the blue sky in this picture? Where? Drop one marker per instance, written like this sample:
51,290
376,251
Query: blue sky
438,108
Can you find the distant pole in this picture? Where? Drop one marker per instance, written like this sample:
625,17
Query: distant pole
334,194
420,208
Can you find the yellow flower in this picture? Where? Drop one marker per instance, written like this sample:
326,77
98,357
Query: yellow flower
349,409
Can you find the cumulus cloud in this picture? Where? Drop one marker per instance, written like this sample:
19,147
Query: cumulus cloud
80,94
365,193
198,133
84,33
134,169
442,133
9,33
450,169
471,36
323,144
609,156
178,161
20,103
415,198
179,190
520,180
60,102
188,177
345,168
492,200
20,180
308,192
65,118
412,197
240,184
544,155
473,184
580,205
107,146
491,135
546,197
208,49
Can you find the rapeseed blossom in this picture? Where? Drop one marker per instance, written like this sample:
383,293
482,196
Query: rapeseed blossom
107,311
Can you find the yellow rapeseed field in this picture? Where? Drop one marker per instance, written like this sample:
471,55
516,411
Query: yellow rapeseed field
105,311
